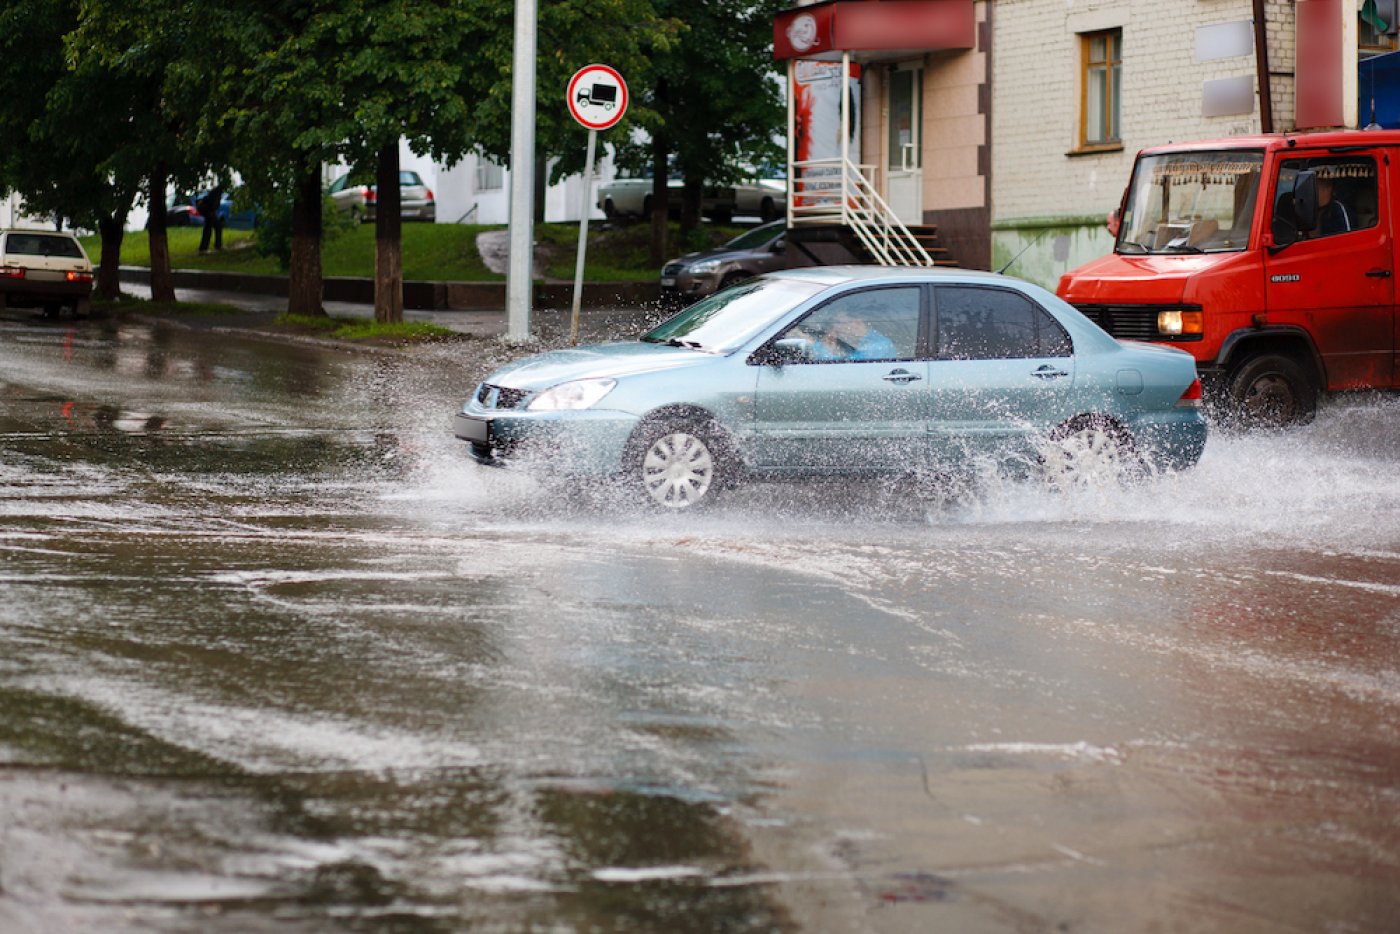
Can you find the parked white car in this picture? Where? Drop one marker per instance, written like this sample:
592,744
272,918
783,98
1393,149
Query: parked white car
45,269
631,197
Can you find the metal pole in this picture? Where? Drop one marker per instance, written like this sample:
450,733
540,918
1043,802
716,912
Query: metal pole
791,140
1261,69
585,202
522,173
845,132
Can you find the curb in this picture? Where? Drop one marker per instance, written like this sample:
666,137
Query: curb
418,295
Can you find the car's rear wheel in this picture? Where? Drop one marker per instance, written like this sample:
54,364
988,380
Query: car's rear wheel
1088,450
768,211
677,465
1270,391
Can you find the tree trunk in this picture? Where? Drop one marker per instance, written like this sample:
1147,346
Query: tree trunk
162,281
660,191
109,280
305,286
388,239
691,196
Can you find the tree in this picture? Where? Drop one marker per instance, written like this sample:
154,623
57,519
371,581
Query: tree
60,122
711,105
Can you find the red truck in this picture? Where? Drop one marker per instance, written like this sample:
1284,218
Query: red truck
1271,259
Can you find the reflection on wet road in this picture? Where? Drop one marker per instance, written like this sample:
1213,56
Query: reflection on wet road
273,655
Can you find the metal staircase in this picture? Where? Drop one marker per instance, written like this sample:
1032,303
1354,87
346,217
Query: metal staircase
838,193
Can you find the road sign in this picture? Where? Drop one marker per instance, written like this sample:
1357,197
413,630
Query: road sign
597,96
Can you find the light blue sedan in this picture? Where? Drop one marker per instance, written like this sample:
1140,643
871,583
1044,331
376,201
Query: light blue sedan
842,370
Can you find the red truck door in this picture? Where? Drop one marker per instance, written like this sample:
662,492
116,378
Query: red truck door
1337,281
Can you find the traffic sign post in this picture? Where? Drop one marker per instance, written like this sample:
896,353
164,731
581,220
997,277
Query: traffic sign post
597,99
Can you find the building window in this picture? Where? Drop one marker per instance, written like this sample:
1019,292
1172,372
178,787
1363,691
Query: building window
489,176
1102,81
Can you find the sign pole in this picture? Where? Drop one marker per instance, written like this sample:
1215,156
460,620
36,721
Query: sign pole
519,274
585,204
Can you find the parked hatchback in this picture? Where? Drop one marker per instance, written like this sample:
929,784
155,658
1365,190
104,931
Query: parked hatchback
695,275
842,370
355,194
45,269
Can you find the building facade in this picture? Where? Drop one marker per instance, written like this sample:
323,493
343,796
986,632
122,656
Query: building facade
1014,127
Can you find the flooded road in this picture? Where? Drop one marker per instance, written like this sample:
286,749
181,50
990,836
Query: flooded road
275,656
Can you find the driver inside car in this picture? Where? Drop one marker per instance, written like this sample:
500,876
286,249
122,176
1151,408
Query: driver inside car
849,337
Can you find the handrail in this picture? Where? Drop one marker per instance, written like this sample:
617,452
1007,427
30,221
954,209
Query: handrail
836,191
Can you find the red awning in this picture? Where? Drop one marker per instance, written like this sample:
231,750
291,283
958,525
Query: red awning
825,30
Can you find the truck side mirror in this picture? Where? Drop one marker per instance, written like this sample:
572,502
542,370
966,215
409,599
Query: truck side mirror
1305,200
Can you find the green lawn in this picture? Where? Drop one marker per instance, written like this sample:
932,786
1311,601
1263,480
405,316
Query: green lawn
431,252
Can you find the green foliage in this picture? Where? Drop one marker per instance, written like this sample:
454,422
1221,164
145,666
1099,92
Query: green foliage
273,236
361,329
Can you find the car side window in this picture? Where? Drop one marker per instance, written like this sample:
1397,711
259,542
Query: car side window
872,324
1347,196
977,323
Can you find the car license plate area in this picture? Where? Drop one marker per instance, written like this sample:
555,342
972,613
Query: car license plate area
475,430
668,282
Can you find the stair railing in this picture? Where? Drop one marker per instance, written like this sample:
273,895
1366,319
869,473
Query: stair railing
836,191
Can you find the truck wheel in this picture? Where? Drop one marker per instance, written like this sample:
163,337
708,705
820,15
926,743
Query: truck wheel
1270,391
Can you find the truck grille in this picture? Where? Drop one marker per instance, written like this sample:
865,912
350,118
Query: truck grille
499,397
1134,322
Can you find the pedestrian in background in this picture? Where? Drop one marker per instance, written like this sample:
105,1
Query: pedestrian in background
210,208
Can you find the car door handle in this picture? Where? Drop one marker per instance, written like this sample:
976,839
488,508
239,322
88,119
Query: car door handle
1378,274
1048,372
901,376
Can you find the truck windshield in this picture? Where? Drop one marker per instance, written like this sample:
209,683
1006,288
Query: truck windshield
1191,202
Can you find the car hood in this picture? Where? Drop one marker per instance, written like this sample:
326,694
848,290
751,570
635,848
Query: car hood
599,361
719,253
1115,278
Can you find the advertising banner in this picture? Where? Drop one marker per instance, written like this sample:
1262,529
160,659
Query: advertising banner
816,94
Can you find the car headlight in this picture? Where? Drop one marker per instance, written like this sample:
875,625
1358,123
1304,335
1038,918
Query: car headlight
579,394
1177,323
705,267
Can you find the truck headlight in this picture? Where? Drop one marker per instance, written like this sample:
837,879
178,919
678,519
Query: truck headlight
1177,323
579,394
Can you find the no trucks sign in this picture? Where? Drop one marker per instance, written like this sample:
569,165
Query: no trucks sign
597,96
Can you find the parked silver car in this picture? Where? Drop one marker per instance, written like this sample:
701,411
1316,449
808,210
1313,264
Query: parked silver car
354,194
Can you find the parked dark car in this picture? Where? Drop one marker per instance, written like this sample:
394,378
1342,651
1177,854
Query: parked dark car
696,275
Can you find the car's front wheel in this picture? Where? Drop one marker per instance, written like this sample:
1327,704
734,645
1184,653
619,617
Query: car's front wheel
678,465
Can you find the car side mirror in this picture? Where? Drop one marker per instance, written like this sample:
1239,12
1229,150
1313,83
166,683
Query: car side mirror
1305,200
780,352
779,246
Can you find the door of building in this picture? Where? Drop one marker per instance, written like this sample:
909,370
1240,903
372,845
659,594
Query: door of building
904,173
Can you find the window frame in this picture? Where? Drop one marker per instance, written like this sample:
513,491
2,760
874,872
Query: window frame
1111,103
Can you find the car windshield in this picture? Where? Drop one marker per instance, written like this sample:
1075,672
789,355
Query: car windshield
1191,202
727,320
753,239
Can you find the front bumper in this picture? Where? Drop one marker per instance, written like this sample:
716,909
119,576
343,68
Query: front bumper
685,287
580,442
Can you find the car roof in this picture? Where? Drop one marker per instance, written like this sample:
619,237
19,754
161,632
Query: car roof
837,275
